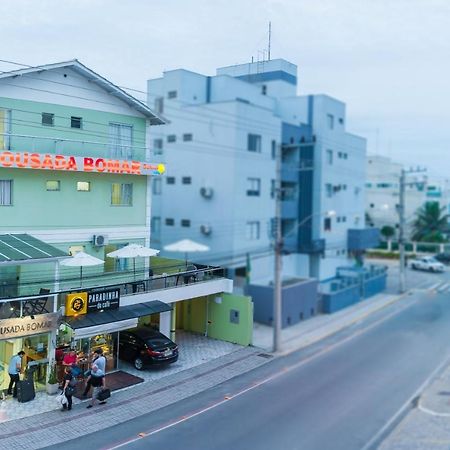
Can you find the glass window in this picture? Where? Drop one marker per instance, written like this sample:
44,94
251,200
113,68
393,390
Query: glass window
185,223
158,146
5,129
186,180
254,143
172,94
159,105
274,149
170,180
327,224
272,188
75,122
330,121
121,194
187,137
48,119
264,89
6,187
253,187
156,225
330,156
170,222
252,230
121,140
171,138
83,186
329,190
156,186
53,185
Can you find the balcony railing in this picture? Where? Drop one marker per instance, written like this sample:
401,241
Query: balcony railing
70,147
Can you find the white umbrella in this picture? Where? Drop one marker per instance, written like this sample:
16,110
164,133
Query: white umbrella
186,246
133,251
81,260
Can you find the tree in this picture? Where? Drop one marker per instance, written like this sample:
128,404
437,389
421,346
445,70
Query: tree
431,223
387,232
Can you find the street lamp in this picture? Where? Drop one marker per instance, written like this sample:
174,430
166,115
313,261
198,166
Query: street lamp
278,272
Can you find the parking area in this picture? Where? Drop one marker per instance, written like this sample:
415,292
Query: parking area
195,349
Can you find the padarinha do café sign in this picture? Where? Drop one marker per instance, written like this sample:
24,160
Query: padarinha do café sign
26,160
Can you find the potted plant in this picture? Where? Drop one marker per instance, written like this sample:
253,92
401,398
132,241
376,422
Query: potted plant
52,381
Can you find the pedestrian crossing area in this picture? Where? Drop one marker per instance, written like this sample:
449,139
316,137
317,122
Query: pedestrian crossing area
440,288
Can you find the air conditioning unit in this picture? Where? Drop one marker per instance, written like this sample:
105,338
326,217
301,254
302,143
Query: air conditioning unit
206,192
206,229
99,240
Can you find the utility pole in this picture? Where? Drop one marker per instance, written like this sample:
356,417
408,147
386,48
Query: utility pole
278,261
402,224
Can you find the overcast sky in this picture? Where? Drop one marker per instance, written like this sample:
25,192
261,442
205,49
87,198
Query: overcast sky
389,60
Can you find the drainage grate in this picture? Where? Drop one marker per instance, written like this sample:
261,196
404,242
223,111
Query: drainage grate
265,355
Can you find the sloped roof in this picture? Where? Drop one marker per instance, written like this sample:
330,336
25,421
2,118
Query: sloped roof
94,77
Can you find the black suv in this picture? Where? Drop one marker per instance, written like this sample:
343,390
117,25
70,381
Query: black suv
144,346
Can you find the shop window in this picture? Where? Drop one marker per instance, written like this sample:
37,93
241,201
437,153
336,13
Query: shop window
83,186
121,194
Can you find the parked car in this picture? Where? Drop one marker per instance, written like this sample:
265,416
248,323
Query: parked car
443,258
144,346
427,263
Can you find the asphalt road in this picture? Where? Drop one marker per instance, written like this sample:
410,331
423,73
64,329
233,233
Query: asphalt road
335,395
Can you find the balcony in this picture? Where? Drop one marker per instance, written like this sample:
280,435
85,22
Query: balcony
362,239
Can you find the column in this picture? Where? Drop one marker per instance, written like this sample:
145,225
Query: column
164,322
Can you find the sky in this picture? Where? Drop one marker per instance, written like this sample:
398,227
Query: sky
388,60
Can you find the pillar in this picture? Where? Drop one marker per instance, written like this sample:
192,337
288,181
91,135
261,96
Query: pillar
173,322
164,323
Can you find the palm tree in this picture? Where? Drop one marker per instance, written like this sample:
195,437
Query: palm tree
431,223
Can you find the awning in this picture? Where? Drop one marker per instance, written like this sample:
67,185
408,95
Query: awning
81,333
115,316
18,249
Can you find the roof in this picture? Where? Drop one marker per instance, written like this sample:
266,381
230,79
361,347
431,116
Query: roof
17,249
117,315
94,77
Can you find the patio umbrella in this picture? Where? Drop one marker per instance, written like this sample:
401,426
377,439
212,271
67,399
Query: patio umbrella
133,251
186,246
81,260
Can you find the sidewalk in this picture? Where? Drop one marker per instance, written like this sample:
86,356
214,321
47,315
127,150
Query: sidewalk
427,426
321,326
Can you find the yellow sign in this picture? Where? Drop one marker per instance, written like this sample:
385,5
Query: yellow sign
76,304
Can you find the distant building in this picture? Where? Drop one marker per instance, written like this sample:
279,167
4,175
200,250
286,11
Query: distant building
220,148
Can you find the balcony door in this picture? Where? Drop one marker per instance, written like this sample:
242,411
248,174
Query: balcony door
121,141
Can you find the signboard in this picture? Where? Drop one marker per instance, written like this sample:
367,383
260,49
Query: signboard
99,300
28,160
76,304
26,326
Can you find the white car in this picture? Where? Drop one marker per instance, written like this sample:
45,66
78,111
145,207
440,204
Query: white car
427,263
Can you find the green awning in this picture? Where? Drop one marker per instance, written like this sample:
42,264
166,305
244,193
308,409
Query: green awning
23,248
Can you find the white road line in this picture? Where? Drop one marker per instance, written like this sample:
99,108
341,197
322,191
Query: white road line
443,287
433,286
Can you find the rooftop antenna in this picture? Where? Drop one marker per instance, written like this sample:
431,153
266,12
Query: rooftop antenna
270,38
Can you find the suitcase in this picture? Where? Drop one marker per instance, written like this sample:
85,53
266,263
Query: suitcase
104,394
25,391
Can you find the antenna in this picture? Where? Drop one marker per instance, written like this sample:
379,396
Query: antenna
270,38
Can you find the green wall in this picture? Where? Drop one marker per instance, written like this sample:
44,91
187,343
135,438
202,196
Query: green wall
219,324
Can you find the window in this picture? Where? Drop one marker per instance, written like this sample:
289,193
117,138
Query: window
263,89
159,105
83,186
170,222
158,146
254,143
272,188
48,119
372,205
6,187
338,219
172,94
170,180
53,185
345,155
327,224
121,140
5,129
330,156
75,122
156,225
330,121
121,194
253,187
186,180
344,187
274,149
171,138
156,186
329,190
339,155
341,120
185,223
187,137
252,230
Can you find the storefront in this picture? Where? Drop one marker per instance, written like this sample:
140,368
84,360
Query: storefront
33,335
94,320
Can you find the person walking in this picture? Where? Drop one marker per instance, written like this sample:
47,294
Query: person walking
100,361
14,369
68,389
98,383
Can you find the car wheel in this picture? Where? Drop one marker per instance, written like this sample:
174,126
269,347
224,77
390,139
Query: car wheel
138,364
413,267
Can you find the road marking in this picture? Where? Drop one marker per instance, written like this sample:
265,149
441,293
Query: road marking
433,287
443,287
257,384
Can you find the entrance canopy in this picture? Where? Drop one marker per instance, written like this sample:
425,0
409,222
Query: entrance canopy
16,249
113,320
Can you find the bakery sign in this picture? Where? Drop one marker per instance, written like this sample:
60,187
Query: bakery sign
67,163
28,325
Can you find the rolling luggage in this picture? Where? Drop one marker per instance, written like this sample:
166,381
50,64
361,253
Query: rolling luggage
25,391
